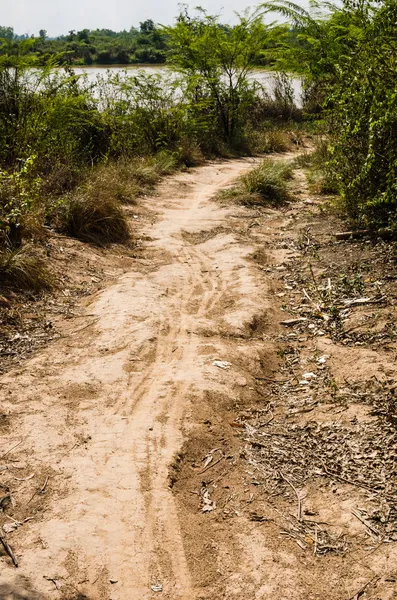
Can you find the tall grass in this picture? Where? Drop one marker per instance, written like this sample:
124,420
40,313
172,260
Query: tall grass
23,269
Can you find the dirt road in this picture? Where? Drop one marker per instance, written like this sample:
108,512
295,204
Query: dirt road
150,451
102,411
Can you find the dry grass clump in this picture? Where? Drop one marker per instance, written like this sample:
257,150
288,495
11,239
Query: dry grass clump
94,215
268,141
266,183
23,269
126,180
189,153
275,140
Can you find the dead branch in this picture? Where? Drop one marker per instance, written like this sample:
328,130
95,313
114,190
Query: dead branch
8,549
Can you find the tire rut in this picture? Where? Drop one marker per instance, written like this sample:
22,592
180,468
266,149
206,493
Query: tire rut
116,511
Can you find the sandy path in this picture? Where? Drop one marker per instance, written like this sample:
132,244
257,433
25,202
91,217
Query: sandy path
102,412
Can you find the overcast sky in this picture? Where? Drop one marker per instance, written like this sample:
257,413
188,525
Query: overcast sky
60,16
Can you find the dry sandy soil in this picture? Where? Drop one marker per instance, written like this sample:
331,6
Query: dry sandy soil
181,442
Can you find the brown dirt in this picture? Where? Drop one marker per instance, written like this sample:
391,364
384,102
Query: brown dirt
159,437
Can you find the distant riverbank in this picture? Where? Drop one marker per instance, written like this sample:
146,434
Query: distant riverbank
262,76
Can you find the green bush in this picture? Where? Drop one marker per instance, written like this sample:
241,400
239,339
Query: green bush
347,54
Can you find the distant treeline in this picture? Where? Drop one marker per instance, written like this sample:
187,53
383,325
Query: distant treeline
147,45
100,46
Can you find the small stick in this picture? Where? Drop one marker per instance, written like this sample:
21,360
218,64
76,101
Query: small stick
268,421
11,449
315,539
349,481
316,306
360,592
40,490
211,465
364,522
299,515
270,379
8,550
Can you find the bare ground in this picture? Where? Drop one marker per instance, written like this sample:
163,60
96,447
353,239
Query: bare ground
167,445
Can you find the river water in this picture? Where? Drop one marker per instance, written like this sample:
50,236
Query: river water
265,78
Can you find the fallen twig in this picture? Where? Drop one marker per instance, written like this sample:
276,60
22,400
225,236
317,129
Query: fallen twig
270,379
299,512
54,581
360,592
8,549
212,465
366,523
292,322
363,301
82,328
24,478
351,235
39,490
316,306
42,490
349,481
315,539
11,449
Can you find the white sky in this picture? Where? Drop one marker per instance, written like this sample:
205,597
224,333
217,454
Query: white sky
60,16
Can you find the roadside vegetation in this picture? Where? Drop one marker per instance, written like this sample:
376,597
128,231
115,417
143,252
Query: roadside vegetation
74,152
347,56
146,44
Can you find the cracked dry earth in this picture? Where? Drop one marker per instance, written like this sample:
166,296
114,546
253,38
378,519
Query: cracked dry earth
130,470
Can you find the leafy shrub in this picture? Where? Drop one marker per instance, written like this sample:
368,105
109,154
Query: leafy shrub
320,175
19,192
347,54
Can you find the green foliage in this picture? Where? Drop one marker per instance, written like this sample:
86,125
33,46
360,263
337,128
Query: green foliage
265,184
348,55
19,192
363,113
216,61
268,180
100,46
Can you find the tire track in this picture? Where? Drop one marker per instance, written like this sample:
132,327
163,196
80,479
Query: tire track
116,511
